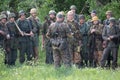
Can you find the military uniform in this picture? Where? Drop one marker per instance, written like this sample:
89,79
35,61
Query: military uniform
74,42
36,30
112,43
84,28
47,43
95,43
58,33
13,42
3,38
76,17
36,25
25,41
106,22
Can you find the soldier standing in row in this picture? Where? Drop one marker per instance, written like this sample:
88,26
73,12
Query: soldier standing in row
110,34
84,28
4,36
36,25
74,42
13,41
106,22
95,42
46,41
58,32
25,42
73,9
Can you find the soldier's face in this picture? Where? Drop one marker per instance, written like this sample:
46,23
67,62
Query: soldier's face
95,22
23,17
59,19
52,16
12,19
34,14
93,14
73,10
3,20
82,21
70,16
108,16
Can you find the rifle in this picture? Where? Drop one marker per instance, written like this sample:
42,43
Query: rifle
21,32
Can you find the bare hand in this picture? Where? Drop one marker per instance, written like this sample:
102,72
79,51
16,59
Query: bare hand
93,30
111,37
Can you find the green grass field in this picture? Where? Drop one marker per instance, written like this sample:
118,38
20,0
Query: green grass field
41,71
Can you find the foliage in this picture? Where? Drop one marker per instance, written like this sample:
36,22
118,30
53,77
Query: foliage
112,5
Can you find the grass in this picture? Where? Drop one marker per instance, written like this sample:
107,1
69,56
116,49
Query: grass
42,71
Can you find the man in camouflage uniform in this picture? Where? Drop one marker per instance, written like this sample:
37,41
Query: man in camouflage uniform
25,35
58,32
110,34
106,22
95,42
74,42
46,41
36,25
84,28
73,9
13,41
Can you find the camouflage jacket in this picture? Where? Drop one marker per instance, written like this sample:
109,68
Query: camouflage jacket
58,30
74,28
95,38
35,24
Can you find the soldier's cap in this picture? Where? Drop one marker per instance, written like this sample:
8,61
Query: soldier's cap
112,19
11,15
33,10
21,12
52,12
3,16
95,18
108,13
94,11
73,7
59,15
81,16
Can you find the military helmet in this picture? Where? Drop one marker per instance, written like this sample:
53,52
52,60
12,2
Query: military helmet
112,19
81,16
33,10
95,18
21,12
3,16
59,15
108,13
62,12
52,12
94,11
73,7
11,15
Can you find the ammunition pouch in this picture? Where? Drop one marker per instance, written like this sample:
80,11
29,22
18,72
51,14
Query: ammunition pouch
59,44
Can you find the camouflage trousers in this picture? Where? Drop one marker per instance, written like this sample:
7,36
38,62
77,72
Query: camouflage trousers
61,56
74,50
